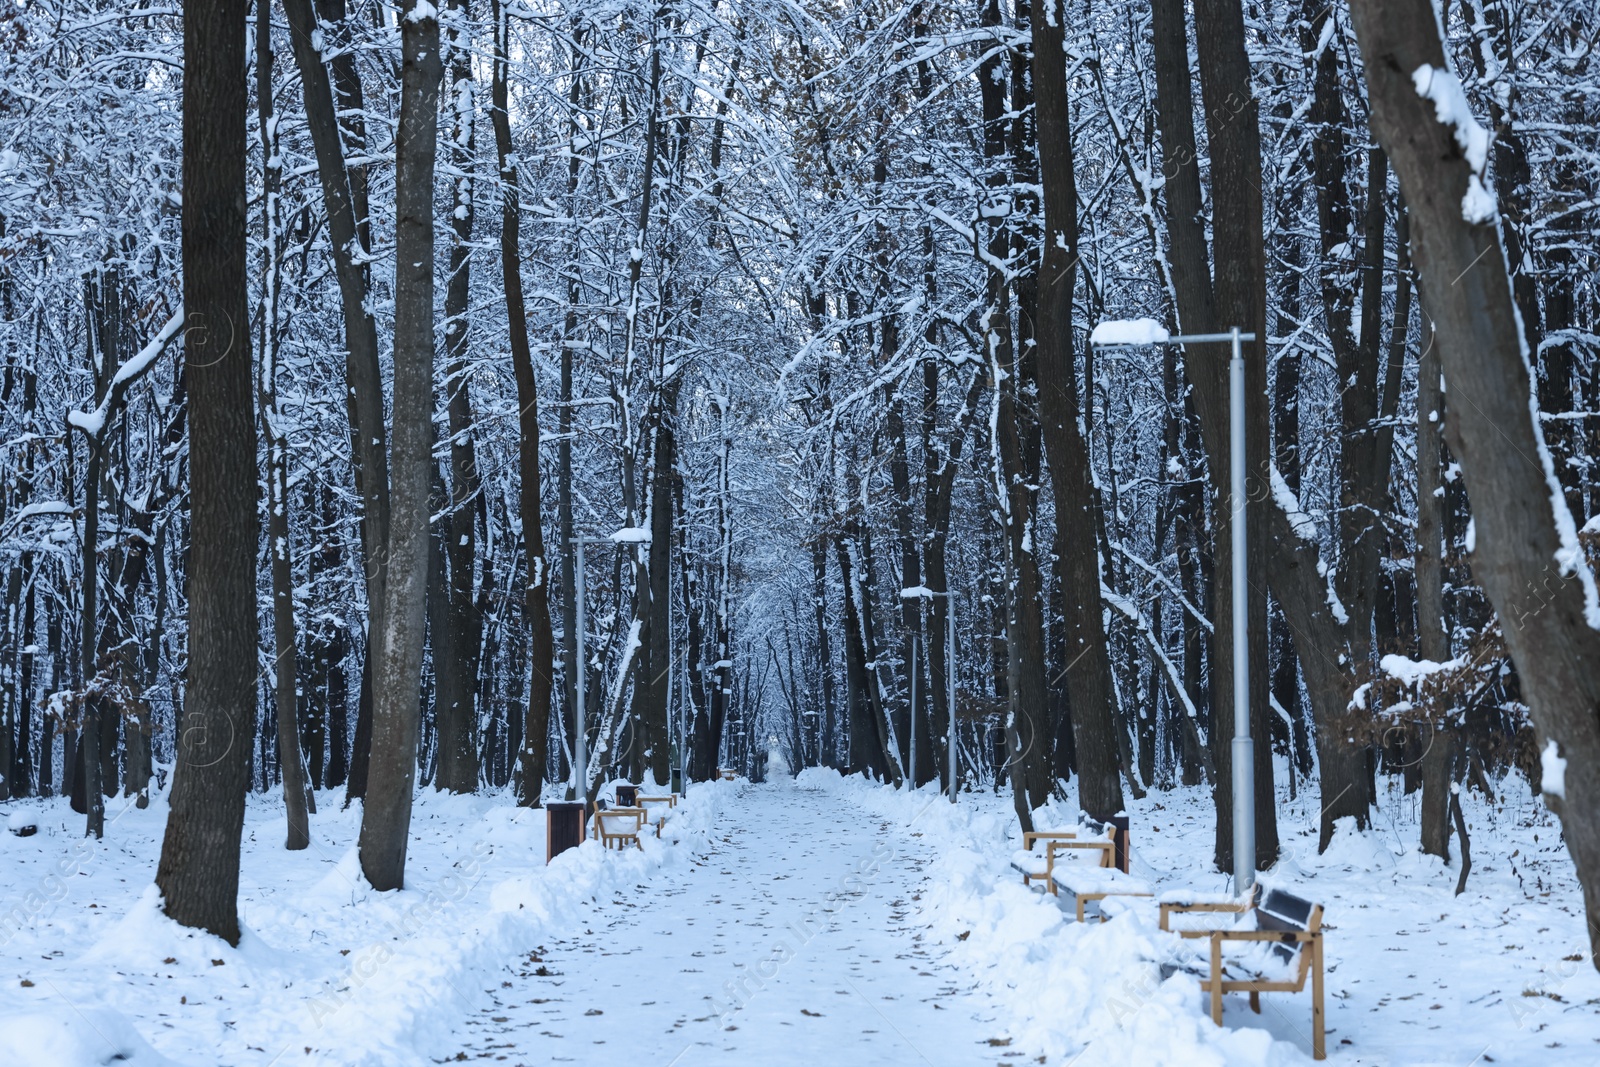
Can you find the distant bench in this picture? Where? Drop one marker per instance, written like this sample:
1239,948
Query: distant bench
1040,866
618,827
1276,957
657,810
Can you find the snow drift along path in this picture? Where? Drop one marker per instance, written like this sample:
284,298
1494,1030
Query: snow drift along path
794,940
329,973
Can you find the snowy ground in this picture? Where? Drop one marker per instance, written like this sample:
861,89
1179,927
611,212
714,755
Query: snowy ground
792,941
329,972
824,920
1416,975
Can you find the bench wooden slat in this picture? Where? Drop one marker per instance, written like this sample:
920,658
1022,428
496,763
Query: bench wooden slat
1086,884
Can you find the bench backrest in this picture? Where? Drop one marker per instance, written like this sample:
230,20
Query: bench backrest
1286,913
620,820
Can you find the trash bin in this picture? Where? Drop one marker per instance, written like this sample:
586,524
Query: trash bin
627,796
1120,840
563,821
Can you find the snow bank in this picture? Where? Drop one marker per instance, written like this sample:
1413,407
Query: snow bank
68,1037
328,971
1087,993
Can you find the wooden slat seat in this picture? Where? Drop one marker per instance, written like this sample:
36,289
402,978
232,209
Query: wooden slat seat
1086,884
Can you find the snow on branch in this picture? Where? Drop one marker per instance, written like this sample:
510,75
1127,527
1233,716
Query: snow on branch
1451,108
1305,528
1128,332
93,422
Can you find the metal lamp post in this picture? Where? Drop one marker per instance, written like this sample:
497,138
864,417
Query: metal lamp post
950,686
1244,766
580,745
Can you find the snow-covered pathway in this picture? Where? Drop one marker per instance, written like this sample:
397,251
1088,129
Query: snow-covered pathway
789,941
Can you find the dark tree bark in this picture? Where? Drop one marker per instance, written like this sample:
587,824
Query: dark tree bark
1526,555
344,200
535,750
1285,666
87,798
1027,733
862,706
828,757
386,816
654,742
1433,634
701,748
198,873
1238,298
721,621
457,645
565,528
1089,688
285,681
1346,783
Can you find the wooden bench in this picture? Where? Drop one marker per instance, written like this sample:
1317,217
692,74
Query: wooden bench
1038,867
727,775
654,813
1279,954
1086,884
618,827
1035,866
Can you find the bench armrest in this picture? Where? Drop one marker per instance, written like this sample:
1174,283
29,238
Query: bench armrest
1264,935
1105,848
1235,907
1030,836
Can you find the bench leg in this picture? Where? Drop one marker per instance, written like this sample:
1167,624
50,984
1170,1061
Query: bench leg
1216,981
1255,1001
1319,1045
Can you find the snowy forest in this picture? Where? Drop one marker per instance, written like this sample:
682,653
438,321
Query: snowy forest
509,398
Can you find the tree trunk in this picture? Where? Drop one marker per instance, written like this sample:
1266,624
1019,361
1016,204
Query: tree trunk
456,678
284,679
722,623
535,751
828,755
1089,688
862,708
565,530
1028,732
1527,556
344,200
655,742
1438,738
198,875
386,817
